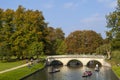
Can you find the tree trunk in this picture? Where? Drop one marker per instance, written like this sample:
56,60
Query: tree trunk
108,54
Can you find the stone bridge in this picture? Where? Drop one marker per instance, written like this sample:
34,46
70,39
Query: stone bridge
84,59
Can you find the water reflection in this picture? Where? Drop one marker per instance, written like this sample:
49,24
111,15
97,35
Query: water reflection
67,73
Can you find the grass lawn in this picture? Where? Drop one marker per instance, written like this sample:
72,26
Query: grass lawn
7,65
116,69
21,72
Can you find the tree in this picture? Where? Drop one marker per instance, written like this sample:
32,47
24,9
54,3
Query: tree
6,31
20,29
105,49
83,42
54,38
35,49
1,26
5,52
62,48
113,23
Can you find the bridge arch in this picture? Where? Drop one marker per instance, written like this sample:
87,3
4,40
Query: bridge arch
92,63
74,63
56,63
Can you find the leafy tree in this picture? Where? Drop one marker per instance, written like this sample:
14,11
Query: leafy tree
35,49
20,29
50,41
1,16
62,48
83,42
113,23
54,38
1,35
105,50
74,42
115,54
6,31
59,39
5,52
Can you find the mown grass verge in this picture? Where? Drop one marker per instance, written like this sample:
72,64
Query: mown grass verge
7,65
21,72
115,67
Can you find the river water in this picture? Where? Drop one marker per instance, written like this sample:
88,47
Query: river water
67,73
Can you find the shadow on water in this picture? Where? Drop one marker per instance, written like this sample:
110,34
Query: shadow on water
69,73
74,63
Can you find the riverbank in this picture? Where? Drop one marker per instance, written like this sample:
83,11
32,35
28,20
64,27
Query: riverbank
21,72
116,69
115,66
8,65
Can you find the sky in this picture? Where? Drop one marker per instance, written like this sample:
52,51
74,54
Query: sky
69,15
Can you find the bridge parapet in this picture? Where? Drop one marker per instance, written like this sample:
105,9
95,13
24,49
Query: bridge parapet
77,56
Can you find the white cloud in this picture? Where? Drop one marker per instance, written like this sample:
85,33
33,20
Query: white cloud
70,5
